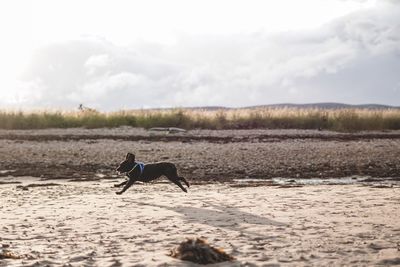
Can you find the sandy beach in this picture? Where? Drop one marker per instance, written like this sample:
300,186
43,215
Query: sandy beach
267,197
86,224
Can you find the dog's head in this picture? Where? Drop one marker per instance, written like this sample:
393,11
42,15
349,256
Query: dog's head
127,164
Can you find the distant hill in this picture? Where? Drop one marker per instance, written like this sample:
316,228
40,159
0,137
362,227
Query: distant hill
327,105
323,105
210,108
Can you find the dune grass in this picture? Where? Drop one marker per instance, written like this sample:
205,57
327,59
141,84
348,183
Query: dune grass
269,118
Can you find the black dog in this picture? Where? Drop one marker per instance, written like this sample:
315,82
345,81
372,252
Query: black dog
137,171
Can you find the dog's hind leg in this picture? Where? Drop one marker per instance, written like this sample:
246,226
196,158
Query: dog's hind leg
121,184
129,183
184,180
172,175
180,185
175,180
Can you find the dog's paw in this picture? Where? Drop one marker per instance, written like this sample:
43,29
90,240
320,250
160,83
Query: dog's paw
118,193
116,185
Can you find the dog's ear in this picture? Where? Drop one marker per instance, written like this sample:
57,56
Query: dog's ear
130,157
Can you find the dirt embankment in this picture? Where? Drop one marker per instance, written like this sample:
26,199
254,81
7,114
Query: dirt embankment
201,155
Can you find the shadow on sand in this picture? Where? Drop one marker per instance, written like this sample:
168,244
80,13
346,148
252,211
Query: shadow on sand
220,217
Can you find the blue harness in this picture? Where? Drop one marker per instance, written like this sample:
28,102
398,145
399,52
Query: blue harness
141,167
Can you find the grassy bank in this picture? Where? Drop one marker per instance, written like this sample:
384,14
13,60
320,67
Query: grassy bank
282,118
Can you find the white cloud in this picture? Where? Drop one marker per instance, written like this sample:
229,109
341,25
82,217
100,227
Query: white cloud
97,63
27,92
353,59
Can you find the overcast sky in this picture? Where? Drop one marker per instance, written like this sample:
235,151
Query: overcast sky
117,54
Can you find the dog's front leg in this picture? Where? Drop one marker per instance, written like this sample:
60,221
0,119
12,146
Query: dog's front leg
121,184
133,176
132,179
129,183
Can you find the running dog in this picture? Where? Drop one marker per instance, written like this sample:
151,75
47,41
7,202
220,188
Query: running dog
137,171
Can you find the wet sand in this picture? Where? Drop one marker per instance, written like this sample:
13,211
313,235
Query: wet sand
86,224
201,155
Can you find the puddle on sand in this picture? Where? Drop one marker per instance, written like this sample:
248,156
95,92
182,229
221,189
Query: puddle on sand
2,172
363,180
321,181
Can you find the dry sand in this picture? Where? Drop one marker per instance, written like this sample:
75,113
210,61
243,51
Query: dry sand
86,224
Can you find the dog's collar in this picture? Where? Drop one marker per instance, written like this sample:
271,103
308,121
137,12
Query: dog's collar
141,167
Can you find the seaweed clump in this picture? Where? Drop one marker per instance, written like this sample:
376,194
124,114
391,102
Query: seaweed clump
6,254
199,251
